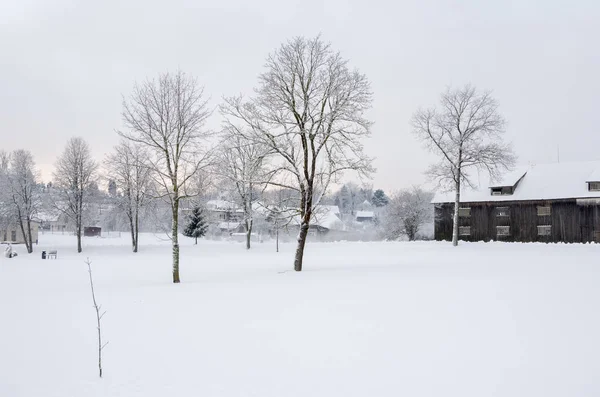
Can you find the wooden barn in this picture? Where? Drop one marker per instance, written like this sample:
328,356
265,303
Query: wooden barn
548,203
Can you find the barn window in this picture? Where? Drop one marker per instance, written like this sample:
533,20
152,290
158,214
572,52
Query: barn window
502,211
464,212
502,190
594,186
544,210
464,230
503,231
544,230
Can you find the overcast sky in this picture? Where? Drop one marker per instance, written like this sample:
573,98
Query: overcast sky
64,65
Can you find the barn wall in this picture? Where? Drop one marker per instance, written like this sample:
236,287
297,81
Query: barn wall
570,222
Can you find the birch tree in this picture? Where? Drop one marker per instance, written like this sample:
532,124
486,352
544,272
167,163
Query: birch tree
242,164
465,131
23,192
309,109
167,115
131,172
75,171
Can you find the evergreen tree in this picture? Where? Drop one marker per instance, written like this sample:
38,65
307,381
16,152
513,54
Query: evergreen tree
380,199
196,226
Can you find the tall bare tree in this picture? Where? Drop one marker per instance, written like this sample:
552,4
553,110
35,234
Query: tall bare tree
74,174
242,164
466,132
131,171
23,193
309,109
167,115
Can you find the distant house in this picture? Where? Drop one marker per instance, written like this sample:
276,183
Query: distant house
365,206
92,231
325,219
365,216
13,234
547,202
231,227
53,221
219,211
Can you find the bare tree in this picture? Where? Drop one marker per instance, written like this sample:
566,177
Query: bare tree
466,132
23,193
99,315
131,171
406,213
309,110
5,210
167,116
74,174
242,164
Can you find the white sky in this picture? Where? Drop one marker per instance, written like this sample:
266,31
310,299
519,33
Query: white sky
64,65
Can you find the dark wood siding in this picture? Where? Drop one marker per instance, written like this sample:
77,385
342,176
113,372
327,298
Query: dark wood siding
570,222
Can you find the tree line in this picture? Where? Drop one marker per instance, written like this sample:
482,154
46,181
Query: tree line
301,131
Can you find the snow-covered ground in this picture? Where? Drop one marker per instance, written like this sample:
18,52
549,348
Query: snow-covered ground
363,319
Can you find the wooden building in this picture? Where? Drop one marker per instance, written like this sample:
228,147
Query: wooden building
547,203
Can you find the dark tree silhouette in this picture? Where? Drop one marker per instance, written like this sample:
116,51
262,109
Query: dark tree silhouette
380,199
196,226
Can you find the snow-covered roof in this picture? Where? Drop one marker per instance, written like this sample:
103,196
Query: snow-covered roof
48,216
511,178
326,216
331,208
594,176
220,205
540,182
365,214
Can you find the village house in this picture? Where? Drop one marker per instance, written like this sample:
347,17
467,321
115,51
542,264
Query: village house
13,234
548,203
53,222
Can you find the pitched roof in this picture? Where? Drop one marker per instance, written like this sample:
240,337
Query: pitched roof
220,205
594,176
326,216
511,178
540,182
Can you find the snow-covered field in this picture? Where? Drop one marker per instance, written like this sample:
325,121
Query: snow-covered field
363,319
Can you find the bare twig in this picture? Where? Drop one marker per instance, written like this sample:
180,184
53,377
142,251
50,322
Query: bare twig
99,315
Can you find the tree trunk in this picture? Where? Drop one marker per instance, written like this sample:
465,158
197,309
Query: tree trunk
30,248
79,238
196,242
79,219
137,232
131,227
456,208
24,234
78,231
22,226
300,248
277,239
175,241
248,234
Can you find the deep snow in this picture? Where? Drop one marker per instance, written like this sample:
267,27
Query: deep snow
363,319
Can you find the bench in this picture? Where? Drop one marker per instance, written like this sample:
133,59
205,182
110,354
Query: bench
52,253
